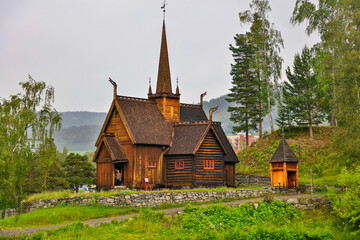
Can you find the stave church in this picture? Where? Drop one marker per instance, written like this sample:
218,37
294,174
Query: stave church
168,143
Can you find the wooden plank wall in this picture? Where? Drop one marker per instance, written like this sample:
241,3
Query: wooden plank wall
230,174
143,154
179,177
210,149
116,125
165,105
104,169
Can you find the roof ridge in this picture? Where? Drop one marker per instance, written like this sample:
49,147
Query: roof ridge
191,123
190,105
133,98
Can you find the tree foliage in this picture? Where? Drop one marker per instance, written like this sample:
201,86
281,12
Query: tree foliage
244,86
267,43
78,170
303,93
28,121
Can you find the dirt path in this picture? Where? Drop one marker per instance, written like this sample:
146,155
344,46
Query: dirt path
170,212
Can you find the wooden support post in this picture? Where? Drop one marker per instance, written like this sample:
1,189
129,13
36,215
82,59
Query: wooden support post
311,182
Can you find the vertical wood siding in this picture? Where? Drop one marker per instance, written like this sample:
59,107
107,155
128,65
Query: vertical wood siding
104,169
210,149
143,154
179,177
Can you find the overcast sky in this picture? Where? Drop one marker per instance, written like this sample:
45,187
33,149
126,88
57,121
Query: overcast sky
76,45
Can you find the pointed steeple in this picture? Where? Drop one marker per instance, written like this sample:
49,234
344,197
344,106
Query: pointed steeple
164,79
150,90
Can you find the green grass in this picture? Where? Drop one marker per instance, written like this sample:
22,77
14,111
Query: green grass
325,180
266,221
62,214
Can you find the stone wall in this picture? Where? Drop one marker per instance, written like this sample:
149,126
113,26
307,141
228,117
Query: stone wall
307,188
251,180
310,203
150,199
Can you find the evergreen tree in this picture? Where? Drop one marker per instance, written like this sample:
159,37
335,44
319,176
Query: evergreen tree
268,42
244,90
285,115
78,170
303,91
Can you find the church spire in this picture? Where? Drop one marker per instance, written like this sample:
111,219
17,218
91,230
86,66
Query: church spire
164,79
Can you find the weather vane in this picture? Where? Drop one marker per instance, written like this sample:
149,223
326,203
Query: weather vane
163,6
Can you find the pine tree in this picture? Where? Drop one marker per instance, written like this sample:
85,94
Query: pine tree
268,42
244,89
303,91
285,115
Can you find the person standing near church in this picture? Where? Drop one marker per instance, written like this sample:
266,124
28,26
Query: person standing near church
117,177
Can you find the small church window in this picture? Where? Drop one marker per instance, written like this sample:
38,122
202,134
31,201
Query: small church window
179,164
151,164
172,111
208,164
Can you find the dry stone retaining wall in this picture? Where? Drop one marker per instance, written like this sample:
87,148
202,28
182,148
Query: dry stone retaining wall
251,180
149,199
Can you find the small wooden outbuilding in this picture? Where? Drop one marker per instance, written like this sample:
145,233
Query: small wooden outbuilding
284,167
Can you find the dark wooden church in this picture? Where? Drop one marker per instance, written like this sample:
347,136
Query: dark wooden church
162,140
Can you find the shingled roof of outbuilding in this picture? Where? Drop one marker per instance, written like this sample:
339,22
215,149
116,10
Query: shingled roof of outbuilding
230,156
283,153
187,138
192,113
144,121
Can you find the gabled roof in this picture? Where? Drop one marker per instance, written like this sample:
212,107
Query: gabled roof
144,121
230,156
116,151
283,153
189,136
192,113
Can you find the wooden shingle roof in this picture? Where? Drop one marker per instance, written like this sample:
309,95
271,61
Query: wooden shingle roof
113,146
283,153
187,138
192,113
144,121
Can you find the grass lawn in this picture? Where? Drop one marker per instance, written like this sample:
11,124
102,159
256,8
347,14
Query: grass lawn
264,221
325,180
62,214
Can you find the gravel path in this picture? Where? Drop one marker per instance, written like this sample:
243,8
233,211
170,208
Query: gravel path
170,212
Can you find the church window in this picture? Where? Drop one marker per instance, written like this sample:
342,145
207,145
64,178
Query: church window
208,164
151,164
179,164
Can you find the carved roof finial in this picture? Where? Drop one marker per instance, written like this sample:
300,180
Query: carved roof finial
202,99
211,112
115,87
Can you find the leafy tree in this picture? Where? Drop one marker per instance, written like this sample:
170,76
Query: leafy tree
346,204
327,20
304,91
78,170
267,42
27,120
244,90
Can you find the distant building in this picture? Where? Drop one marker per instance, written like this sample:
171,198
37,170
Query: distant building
238,141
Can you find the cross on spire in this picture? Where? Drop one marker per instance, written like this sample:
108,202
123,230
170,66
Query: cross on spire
163,6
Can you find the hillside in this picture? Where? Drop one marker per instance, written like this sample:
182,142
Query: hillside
315,154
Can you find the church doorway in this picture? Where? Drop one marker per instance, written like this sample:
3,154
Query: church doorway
291,179
120,167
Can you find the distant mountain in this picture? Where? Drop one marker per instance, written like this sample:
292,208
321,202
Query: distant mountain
80,129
